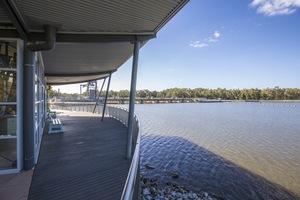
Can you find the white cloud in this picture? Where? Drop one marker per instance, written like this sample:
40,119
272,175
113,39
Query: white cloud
206,41
217,34
211,40
276,7
197,44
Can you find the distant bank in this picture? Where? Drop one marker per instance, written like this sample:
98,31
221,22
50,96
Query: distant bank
281,101
165,101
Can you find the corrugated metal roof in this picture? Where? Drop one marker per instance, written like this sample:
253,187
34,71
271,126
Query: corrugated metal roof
3,17
107,21
125,16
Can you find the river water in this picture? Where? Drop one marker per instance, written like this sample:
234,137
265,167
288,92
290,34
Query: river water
231,150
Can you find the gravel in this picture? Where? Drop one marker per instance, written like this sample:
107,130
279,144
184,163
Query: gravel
151,189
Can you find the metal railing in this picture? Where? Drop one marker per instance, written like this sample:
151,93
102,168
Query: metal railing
131,188
132,185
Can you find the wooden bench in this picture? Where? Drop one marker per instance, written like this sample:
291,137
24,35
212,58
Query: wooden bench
51,115
55,126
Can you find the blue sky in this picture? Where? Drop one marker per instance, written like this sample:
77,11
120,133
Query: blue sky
216,43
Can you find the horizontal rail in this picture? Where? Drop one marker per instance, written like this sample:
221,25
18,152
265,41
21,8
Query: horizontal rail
132,183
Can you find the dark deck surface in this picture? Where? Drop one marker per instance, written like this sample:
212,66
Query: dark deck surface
85,162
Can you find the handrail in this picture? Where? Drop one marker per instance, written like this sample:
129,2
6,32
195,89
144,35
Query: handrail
132,181
131,187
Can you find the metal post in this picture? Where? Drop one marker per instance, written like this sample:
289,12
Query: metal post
88,89
99,95
107,90
132,99
29,108
96,89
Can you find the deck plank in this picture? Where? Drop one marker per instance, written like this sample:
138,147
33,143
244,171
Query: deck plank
87,161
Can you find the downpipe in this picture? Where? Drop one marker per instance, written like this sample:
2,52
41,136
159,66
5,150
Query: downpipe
50,39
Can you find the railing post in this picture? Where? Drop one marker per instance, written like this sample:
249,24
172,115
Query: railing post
132,99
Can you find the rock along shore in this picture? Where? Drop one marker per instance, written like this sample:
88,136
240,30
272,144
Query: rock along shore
151,189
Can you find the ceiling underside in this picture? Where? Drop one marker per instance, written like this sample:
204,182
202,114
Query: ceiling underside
80,62
94,38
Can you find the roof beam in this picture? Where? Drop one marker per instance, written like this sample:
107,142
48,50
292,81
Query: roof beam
10,11
75,82
9,33
171,14
91,38
74,75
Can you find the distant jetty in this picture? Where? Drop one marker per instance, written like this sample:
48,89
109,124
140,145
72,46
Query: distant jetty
152,100
251,100
204,100
164,100
143,101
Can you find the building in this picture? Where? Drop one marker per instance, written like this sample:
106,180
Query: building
46,43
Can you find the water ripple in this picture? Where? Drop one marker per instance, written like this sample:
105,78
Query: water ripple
238,150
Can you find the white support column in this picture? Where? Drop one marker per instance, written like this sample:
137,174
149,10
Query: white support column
132,99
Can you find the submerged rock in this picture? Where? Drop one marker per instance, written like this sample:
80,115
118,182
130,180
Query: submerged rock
178,195
148,166
174,175
192,196
146,191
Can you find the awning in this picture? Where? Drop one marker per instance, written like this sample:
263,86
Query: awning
94,38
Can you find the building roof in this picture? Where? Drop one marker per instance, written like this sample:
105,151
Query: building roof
94,38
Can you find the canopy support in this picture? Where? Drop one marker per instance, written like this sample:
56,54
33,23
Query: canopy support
99,95
132,99
106,96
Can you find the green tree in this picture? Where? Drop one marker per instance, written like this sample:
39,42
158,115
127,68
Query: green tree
141,94
124,93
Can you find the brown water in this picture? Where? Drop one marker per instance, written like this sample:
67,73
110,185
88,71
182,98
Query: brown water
234,150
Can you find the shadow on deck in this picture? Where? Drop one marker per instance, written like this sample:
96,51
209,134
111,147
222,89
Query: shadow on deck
87,161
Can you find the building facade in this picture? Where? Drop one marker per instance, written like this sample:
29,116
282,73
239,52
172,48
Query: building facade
12,108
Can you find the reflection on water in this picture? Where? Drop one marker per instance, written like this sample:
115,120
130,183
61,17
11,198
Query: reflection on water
262,139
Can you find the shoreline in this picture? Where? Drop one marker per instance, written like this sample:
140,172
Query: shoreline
151,188
257,101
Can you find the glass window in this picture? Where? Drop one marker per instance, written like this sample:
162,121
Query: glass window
8,55
36,90
8,110
37,137
8,153
40,88
8,106
8,86
8,120
36,114
37,69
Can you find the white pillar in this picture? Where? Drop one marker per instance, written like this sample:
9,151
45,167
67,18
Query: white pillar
132,99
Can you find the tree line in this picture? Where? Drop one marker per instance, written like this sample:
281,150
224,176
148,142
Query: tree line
219,93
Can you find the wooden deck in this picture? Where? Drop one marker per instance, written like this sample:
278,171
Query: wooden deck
87,161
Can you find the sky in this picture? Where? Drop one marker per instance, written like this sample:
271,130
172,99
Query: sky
230,44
